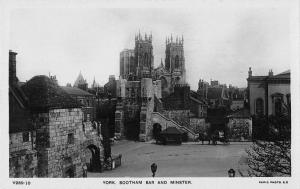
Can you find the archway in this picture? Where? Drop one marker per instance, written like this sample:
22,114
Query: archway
68,168
70,173
156,130
93,158
132,123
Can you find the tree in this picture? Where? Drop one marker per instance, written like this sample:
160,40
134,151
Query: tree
272,156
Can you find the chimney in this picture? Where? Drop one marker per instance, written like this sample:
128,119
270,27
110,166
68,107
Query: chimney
12,68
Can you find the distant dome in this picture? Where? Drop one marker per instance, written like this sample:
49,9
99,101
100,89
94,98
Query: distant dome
45,94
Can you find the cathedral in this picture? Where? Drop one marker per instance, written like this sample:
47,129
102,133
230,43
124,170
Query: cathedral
138,63
141,89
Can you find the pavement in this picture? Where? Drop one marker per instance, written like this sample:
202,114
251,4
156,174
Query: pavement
191,159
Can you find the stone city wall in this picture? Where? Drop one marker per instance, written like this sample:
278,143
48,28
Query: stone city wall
198,125
61,142
22,156
182,117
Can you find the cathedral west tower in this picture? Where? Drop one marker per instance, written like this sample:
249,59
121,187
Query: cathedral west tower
175,62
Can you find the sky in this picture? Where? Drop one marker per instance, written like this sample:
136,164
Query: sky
220,43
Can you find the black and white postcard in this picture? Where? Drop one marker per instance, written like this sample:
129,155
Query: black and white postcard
153,93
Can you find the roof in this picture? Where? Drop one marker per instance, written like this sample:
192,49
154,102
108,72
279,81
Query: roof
171,130
19,95
284,76
76,91
242,113
284,73
19,115
45,94
214,93
196,100
197,97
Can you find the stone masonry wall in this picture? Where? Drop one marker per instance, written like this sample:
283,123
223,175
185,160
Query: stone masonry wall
198,125
182,117
61,142
22,156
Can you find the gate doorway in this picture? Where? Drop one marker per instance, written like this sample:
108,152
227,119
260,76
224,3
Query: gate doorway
132,124
70,172
68,168
93,158
156,130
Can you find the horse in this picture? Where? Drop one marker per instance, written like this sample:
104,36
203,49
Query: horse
204,137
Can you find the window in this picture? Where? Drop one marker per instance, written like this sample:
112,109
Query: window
26,137
71,138
177,61
146,62
259,106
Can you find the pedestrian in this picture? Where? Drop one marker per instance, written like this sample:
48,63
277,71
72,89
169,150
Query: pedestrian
84,169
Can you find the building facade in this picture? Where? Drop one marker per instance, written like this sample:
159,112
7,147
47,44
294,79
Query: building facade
49,136
268,94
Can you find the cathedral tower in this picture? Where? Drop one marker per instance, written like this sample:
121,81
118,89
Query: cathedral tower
175,62
143,53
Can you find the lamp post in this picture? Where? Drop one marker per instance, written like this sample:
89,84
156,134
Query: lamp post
231,173
153,169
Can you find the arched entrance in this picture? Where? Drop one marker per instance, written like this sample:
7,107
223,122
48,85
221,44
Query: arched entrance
132,122
156,130
93,158
70,173
68,168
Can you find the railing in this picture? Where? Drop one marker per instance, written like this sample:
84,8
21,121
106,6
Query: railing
177,125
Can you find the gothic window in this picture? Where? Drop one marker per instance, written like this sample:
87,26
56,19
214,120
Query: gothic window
167,65
131,65
177,61
259,106
146,63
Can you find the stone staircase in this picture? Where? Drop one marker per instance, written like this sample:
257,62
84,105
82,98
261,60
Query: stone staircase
167,122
